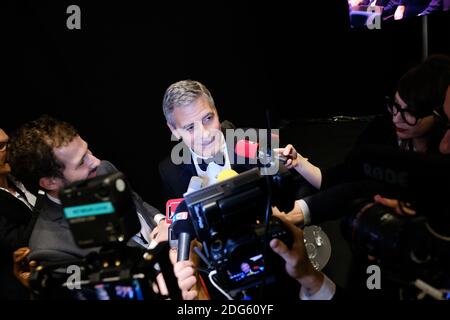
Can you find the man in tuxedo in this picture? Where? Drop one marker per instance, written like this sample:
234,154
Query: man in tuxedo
50,154
192,116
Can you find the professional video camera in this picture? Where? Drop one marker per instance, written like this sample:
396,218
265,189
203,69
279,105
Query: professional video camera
232,219
408,247
102,216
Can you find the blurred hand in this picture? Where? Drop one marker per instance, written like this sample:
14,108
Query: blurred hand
399,12
294,216
400,208
161,232
294,158
298,265
22,269
354,3
183,270
187,281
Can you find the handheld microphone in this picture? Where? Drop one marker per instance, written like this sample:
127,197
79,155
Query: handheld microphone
226,174
183,230
251,150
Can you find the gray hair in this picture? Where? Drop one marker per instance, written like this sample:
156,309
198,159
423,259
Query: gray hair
182,93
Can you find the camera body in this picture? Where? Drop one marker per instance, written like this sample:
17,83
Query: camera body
101,215
100,211
229,220
406,247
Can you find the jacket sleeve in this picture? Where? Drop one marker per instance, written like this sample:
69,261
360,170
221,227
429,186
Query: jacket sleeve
335,202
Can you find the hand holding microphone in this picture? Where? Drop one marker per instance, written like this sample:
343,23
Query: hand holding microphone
252,150
293,158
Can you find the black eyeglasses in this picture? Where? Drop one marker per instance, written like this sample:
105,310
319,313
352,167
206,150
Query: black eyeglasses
3,145
408,114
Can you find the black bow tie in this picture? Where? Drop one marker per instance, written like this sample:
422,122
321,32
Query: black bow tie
218,159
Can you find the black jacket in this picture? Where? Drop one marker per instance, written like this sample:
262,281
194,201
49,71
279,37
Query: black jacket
16,223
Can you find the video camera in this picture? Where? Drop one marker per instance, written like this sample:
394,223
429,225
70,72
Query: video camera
409,247
101,215
229,219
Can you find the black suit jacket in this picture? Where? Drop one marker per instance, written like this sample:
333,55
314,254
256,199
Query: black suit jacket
342,184
16,223
379,132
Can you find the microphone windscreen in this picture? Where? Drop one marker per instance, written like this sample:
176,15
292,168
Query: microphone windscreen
226,174
246,149
181,221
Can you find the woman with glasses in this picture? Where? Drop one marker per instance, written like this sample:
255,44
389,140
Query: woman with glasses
413,122
16,207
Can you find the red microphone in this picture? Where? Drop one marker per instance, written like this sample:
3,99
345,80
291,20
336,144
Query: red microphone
171,207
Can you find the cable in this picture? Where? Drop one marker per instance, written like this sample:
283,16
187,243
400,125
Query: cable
210,276
204,287
202,256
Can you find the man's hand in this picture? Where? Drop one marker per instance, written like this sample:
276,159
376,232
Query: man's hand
160,233
187,281
22,269
298,265
183,270
400,208
295,215
294,159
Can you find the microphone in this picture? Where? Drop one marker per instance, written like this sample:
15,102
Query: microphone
251,150
226,174
183,230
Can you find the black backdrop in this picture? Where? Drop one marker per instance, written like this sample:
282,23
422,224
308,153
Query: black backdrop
108,78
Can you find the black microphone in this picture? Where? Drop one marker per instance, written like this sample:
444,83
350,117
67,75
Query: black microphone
183,231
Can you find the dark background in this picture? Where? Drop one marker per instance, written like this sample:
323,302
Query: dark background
108,78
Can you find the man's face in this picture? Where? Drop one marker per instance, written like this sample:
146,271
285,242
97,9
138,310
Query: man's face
245,267
80,163
199,127
444,147
4,167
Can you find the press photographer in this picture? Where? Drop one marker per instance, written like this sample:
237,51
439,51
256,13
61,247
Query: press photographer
101,214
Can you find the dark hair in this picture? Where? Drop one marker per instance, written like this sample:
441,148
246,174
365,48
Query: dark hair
423,88
31,149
